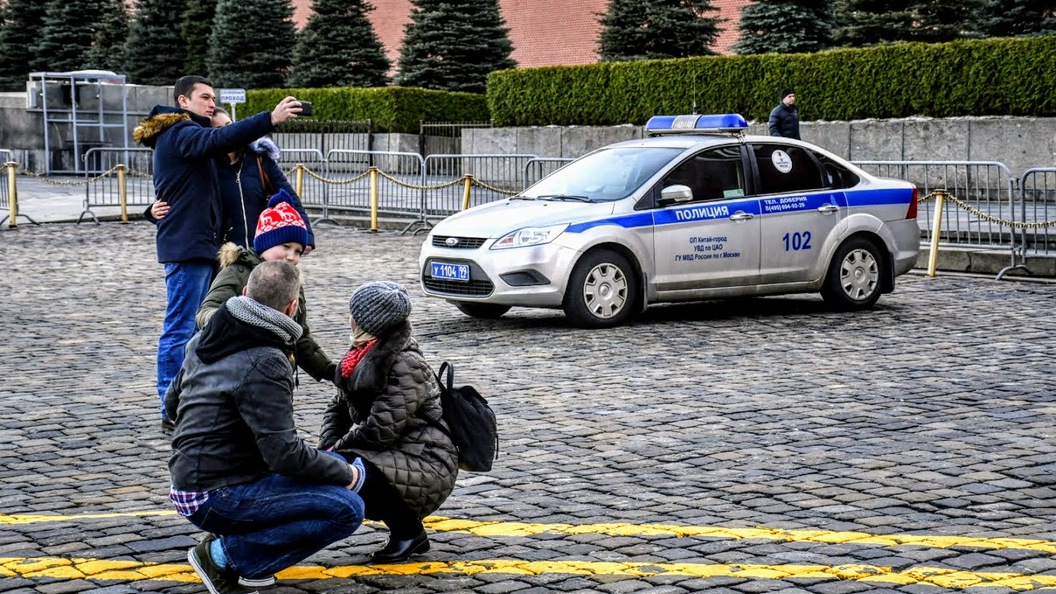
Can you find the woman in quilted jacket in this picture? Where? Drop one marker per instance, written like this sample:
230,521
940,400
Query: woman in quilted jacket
387,413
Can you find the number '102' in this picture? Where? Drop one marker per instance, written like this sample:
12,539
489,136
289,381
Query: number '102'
797,241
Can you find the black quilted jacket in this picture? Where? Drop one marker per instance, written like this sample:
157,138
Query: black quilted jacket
380,414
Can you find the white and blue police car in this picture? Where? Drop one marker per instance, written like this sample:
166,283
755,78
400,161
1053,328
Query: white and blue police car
697,210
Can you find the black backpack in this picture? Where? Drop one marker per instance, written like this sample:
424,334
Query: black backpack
471,422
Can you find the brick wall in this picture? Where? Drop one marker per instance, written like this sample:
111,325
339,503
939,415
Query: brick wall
543,32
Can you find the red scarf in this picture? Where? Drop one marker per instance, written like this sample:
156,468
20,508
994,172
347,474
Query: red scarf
353,357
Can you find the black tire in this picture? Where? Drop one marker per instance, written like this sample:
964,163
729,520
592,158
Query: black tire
485,311
601,291
856,275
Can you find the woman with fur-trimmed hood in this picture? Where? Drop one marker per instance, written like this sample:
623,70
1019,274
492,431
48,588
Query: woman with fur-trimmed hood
387,413
281,234
248,178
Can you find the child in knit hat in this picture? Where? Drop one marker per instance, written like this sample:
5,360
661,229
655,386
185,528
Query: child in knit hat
281,235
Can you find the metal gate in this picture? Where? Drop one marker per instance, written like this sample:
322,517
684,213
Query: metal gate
326,136
444,137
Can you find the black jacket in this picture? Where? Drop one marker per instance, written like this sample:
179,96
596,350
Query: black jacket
381,415
185,176
784,121
233,405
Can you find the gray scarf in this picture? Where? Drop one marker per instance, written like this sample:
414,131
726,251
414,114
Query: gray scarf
262,316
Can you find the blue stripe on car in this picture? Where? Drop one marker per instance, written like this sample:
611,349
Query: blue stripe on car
705,211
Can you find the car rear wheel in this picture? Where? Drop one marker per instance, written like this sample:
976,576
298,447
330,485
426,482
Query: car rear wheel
855,276
601,290
487,311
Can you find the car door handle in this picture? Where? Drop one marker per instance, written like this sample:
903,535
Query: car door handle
828,208
741,216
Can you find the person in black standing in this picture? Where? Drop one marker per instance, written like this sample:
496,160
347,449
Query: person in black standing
784,119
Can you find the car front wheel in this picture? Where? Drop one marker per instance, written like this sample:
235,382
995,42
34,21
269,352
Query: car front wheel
855,275
601,290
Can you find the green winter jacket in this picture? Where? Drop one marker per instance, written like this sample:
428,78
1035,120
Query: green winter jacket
235,265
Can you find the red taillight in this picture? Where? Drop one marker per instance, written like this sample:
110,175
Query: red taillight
912,213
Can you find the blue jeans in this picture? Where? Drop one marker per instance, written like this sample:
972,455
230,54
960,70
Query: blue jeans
186,285
275,522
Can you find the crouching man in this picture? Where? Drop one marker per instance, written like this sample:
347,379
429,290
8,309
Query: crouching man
239,470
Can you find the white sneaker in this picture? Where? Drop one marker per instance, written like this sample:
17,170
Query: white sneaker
262,582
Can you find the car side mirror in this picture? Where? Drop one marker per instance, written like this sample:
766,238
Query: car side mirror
676,193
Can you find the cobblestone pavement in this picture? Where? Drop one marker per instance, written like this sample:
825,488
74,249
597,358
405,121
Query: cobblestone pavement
760,445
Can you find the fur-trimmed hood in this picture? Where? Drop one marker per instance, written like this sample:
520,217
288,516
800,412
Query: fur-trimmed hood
230,253
265,146
162,118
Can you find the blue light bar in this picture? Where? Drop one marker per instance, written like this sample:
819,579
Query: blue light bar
688,124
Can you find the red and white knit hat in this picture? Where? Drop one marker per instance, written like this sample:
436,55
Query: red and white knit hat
279,224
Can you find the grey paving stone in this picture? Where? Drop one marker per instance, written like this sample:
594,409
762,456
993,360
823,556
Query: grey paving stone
772,412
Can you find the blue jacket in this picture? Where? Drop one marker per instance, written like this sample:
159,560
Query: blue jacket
185,176
243,195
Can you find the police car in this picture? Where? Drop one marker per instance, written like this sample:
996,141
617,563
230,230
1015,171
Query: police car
697,210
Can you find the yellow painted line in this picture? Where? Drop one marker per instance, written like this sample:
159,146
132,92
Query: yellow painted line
130,571
665,530
520,529
34,519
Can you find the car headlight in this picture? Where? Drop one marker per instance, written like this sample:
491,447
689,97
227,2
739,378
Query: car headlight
529,236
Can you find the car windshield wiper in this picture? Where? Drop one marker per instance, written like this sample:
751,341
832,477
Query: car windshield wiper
565,197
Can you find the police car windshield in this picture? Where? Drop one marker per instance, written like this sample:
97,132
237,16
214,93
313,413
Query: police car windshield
605,176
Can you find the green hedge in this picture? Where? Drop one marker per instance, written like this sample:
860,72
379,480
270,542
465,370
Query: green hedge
986,77
392,109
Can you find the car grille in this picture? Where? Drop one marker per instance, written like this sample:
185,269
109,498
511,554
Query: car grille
477,288
464,243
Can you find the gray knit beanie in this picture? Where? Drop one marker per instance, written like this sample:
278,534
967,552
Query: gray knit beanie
379,306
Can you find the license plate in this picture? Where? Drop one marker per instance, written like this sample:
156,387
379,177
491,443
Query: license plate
458,272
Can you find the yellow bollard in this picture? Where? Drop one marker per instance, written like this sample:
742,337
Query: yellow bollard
12,193
465,193
122,191
936,229
299,184
374,199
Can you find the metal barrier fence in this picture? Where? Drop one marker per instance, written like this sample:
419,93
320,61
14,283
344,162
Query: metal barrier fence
498,176
132,168
991,207
394,181
1038,211
538,168
6,157
987,187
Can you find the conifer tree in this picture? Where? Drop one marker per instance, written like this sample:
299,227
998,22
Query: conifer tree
195,28
67,34
20,30
785,27
870,22
108,45
453,45
251,44
1017,18
339,48
155,50
649,29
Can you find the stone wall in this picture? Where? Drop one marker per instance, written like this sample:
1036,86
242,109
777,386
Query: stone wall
1018,143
